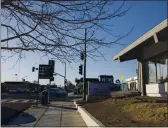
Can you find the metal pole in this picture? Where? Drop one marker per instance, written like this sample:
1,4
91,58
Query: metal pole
16,77
65,75
84,66
156,72
49,91
37,89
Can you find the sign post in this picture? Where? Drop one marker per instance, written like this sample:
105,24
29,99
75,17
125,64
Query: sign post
46,72
121,78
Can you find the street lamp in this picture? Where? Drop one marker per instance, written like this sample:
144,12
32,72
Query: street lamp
16,77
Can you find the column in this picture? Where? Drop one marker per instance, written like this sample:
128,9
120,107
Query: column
142,77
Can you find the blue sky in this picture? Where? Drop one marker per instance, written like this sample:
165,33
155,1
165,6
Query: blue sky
143,15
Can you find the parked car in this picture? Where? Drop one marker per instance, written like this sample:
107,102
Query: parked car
12,91
54,93
26,91
20,91
34,91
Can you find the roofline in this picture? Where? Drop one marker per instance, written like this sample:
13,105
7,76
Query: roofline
144,37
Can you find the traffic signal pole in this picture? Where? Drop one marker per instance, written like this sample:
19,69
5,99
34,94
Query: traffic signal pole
49,91
84,66
65,76
37,89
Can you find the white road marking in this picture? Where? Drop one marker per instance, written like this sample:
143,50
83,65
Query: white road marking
13,101
34,101
3,100
18,101
25,101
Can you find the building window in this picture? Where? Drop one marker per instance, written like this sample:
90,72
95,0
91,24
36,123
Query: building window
157,70
152,72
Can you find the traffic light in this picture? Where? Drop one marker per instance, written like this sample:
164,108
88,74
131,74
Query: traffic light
33,69
52,79
82,56
52,62
80,69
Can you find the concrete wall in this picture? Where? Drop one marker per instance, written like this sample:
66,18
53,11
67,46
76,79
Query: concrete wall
157,90
98,88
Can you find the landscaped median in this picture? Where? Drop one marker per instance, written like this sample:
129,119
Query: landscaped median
131,112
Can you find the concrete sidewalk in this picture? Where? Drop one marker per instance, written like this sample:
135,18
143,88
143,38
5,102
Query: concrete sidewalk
57,114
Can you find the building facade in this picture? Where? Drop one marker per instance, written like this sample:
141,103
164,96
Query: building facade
106,78
151,53
132,83
20,84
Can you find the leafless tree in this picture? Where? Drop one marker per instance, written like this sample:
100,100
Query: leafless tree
55,28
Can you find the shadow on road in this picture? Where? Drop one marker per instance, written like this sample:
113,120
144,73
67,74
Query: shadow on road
23,118
9,111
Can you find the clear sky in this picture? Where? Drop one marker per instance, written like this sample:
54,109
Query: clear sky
143,15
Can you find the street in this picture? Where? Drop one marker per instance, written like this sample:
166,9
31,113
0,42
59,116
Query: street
18,101
12,105
18,96
30,98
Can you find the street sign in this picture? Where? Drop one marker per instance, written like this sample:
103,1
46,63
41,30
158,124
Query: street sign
45,71
121,77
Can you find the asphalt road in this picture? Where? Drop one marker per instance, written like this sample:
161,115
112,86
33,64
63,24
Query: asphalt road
19,96
18,101
72,96
31,98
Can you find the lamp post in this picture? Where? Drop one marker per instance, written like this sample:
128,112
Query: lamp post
65,76
16,77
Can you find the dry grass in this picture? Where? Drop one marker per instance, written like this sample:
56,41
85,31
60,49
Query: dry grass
141,111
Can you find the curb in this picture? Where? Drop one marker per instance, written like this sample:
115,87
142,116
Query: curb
88,118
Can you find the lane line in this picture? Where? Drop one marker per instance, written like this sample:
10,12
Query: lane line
24,101
34,101
13,101
3,100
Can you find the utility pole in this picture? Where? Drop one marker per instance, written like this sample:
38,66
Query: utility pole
16,77
51,63
65,75
84,66
49,91
33,70
37,89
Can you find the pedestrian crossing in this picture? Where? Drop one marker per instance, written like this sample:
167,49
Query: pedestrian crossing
18,101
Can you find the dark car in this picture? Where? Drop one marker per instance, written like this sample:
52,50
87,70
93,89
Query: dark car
55,92
12,91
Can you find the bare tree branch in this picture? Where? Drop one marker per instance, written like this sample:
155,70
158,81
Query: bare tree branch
55,28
